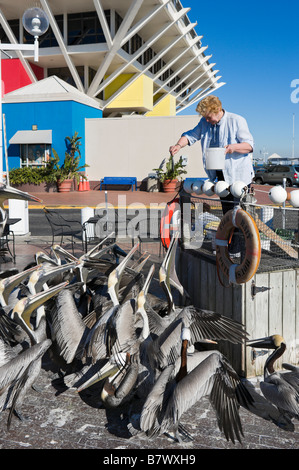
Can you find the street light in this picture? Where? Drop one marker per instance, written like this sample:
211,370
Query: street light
36,23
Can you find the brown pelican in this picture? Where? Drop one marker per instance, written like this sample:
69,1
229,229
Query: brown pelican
122,365
279,388
19,370
168,276
154,354
7,192
8,284
42,258
68,329
116,275
174,392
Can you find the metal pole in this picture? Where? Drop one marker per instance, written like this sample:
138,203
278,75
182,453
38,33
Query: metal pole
5,149
1,128
284,182
293,151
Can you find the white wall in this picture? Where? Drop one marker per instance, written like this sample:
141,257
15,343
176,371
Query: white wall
133,146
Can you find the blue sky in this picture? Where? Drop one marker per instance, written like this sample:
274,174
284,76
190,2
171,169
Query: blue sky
255,46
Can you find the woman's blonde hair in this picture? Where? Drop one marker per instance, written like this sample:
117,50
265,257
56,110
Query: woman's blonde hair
210,104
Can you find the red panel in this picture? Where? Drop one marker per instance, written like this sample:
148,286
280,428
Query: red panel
14,75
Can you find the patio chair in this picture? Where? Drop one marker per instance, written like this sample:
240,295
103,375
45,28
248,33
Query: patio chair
7,238
63,228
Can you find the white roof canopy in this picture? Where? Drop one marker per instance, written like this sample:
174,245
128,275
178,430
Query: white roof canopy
32,137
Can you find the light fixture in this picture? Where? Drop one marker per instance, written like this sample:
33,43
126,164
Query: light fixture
36,23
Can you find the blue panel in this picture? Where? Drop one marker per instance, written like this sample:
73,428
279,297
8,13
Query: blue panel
63,117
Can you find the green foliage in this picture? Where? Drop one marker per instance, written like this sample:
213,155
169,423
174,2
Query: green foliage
172,170
73,144
69,169
29,175
53,171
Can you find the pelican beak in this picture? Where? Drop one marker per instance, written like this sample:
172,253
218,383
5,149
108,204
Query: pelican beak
142,294
63,252
148,279
13,193
26,306
7,285
115,276
266,342
120,268
42,276
106,371
139,265
207,341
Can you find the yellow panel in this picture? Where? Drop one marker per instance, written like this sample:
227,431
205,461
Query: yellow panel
164,107
138,95
116,84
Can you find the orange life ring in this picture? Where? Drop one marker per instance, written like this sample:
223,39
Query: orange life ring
169,221
238,273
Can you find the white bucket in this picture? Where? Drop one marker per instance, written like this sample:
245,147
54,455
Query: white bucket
215,158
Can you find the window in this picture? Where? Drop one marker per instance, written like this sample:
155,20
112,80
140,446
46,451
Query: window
48,39
65,74
35,155
85,28
14,25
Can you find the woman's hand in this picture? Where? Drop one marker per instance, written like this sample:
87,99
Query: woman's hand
174,149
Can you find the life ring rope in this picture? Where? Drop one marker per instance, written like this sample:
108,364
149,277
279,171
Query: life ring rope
237,273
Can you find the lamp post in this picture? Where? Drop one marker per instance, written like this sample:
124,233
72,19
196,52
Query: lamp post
36,23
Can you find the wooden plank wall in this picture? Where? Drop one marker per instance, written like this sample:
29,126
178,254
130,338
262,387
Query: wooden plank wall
274,310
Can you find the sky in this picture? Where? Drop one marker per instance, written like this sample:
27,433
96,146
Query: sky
255,46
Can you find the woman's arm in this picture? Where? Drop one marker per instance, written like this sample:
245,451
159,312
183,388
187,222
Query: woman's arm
182,142
243,147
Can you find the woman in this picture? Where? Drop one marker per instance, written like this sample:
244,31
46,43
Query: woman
220,128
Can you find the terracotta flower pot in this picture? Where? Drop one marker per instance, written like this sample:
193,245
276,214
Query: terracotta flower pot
64,186
169,186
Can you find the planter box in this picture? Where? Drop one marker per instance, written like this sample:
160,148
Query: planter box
36,188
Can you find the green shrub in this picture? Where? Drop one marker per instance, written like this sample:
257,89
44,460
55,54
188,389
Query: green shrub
30,175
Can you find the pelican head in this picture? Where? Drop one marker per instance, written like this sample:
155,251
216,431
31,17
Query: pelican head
8,284
110,369
24,307
45,273
115,276
269,342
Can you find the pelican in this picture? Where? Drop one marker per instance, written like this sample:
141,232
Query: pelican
168,276
42,258
7,192
8,284
127,348
279,388
153,355
174,392
70,332
23,309
41,276
116,275
19,371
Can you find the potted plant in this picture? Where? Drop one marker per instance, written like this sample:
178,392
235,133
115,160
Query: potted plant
169,176
69,171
